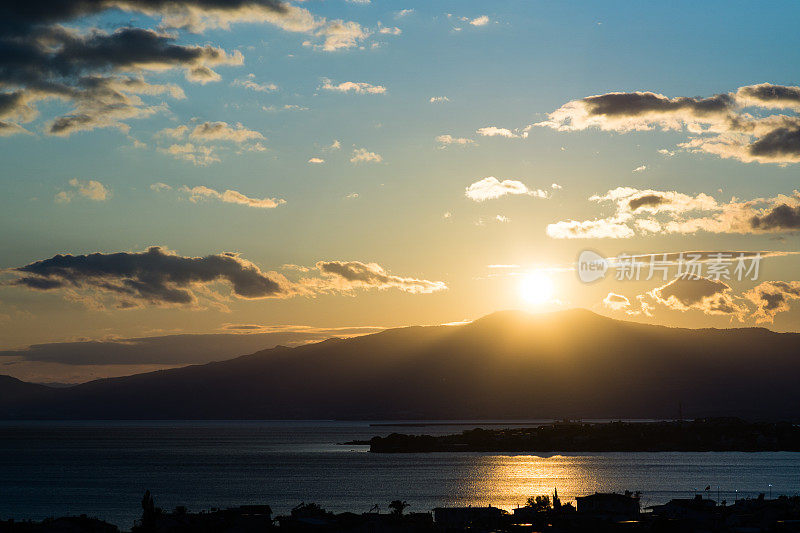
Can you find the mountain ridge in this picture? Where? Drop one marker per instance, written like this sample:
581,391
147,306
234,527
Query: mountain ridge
507,364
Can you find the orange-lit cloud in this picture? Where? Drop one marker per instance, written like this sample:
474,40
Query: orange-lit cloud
719,125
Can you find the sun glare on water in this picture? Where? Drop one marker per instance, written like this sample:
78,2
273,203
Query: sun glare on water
536,288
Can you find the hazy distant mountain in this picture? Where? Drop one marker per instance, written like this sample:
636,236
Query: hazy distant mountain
505,365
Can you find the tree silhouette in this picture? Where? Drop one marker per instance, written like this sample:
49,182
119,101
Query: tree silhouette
398,507
539,504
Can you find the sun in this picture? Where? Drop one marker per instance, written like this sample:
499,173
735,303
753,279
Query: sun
536,288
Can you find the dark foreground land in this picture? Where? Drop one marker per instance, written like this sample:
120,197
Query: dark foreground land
701,435
594,513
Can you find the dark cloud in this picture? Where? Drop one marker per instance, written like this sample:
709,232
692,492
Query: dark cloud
778,144
155,276
690,290
783,217
768,95
710,296
645,103
158,276
100,73
16,15
773,297
718,125
651,200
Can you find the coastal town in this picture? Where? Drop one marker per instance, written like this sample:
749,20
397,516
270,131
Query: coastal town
591,513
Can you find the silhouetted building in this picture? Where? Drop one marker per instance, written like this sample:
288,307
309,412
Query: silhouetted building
462,517
610,505
695,508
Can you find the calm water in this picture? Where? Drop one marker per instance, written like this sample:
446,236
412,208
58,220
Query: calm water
103,468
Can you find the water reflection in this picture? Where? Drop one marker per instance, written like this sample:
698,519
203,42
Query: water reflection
508,480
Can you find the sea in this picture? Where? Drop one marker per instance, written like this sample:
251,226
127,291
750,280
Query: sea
102,469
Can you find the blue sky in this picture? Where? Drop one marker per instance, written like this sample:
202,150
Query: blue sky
400,213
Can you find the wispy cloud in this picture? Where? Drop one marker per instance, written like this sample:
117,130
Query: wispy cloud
494,131
89,189
362,155
490,188
197,154
356,87
200,193
482,20
446,140
249,82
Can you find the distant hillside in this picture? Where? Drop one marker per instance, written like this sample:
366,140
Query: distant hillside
505,365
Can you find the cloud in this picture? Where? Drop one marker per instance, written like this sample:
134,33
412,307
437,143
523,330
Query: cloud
352,86
160,277
386,30
201,193
616,302
90,189
647,211
780,217
335,145
494,131
197,154
482,20
449,139
101,75
719,125
221,131
339,34
177,132
640,168
490,188
769,96
156,276
502,218
285,107
362,155
603,228
160,187
712,297
350,275
438,99
316,160
403,13
208,133
772,297
249,83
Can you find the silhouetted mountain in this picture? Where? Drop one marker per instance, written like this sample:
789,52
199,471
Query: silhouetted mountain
16,392
505,365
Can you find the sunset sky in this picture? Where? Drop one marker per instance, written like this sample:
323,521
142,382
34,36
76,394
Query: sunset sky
253,166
